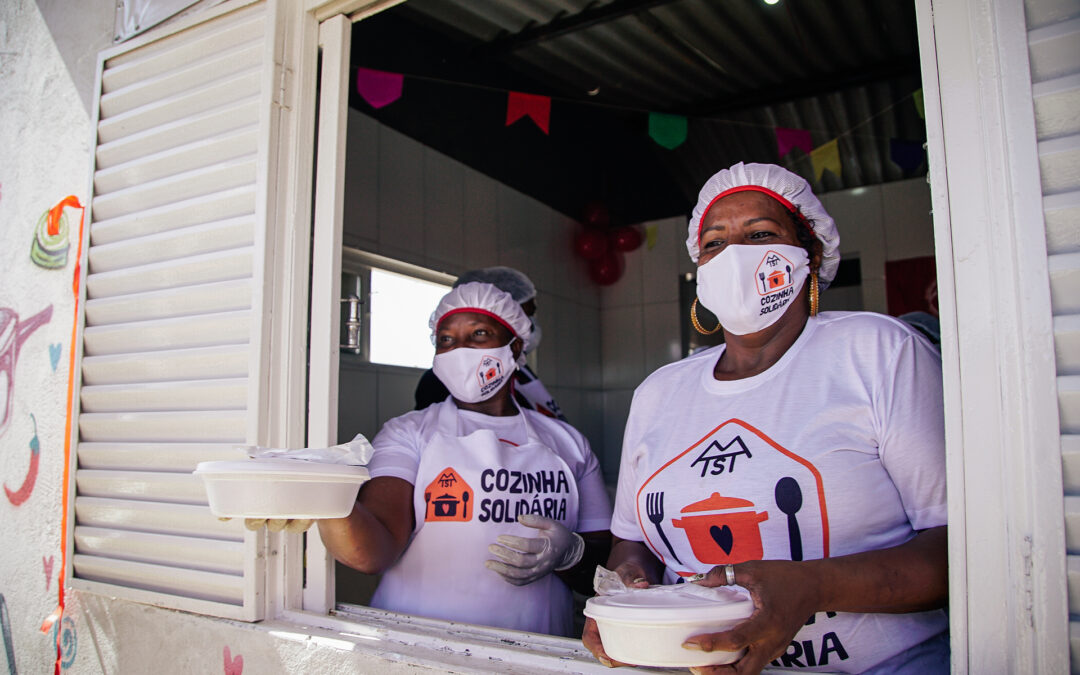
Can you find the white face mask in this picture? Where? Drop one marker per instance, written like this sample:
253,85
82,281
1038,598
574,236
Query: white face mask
749,287
474,375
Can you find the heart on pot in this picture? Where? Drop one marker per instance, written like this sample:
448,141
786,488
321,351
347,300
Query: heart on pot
722,537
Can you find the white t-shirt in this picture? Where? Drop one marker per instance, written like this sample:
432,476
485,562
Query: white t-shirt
837,448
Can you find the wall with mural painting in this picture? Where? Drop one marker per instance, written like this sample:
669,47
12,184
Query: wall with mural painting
45,133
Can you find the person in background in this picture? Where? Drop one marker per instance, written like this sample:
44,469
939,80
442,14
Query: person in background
803,460
529,391
478,510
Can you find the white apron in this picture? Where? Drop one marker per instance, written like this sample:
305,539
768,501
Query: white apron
468,490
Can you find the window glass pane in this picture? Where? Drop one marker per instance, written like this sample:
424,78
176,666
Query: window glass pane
400,309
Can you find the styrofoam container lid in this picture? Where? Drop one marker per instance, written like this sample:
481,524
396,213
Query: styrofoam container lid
281,469
672,604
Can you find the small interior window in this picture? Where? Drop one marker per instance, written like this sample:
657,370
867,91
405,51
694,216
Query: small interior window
400,309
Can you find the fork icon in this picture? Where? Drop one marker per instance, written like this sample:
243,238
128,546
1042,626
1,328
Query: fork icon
654,507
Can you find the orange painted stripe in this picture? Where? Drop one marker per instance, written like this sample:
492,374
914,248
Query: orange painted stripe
58,613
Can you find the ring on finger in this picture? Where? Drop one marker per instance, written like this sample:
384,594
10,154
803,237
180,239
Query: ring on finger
729,573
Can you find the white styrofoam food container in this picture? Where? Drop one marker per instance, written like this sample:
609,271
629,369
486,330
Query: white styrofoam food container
646,627
280,488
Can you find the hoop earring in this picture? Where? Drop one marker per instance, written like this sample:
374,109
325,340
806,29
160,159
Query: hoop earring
814,293
697,324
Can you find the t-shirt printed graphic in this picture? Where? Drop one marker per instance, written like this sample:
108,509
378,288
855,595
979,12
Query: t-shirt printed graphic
448,498
836,449
742,518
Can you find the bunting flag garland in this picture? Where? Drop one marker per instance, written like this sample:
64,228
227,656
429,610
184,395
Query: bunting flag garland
533,106
669,131
826,156
651,232
786,139
378,87
908,155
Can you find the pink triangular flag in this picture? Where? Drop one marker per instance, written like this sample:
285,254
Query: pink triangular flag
378,87
538,108
786,139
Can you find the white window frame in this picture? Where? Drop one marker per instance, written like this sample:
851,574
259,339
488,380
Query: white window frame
1008,599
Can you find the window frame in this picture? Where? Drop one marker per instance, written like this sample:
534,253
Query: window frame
358,264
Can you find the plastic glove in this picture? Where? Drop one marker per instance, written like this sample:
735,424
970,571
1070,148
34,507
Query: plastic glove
523,561
276,524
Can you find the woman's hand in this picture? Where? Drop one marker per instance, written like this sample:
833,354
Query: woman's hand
293,525
634,576
784,595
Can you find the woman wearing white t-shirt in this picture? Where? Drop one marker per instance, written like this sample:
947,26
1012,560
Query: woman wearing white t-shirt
475,506
803,459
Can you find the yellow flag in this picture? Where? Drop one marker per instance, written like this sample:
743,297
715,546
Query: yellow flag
650,236
826,156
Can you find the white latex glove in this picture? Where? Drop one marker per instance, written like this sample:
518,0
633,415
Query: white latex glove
523,561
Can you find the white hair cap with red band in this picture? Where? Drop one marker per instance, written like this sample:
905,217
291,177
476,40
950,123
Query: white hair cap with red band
791,190
486,299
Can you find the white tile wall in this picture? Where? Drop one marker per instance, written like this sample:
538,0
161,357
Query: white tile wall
400,198
444,208
622,346
481,221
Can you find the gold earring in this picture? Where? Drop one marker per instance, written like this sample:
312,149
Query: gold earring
697,324
813,294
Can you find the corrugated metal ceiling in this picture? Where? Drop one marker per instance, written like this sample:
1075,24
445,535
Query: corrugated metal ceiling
842,69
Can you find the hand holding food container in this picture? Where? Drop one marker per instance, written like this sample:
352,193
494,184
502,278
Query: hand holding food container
287,489
645,625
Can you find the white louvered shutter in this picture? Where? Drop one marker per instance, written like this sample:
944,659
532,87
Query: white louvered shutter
171,344
1054,48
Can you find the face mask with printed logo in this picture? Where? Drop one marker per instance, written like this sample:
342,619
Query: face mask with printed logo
474,375
749,287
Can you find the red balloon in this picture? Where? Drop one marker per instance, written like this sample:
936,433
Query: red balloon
590,244
606,269
626,239
596,215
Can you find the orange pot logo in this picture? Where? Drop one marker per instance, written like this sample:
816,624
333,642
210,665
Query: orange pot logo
448,498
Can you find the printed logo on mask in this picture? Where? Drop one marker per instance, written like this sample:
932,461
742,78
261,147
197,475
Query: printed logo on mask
775,282
490,374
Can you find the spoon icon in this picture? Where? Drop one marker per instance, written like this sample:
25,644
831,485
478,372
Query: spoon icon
789,500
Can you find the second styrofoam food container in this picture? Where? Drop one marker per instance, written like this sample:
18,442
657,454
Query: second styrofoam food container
646,627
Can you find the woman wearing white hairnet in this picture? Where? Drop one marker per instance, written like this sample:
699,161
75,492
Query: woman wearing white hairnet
802,460
475,506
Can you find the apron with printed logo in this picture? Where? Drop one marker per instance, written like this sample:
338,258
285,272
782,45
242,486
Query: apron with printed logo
468,490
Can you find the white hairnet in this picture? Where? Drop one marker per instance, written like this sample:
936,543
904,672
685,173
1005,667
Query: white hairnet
484,298
504,278
792,191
